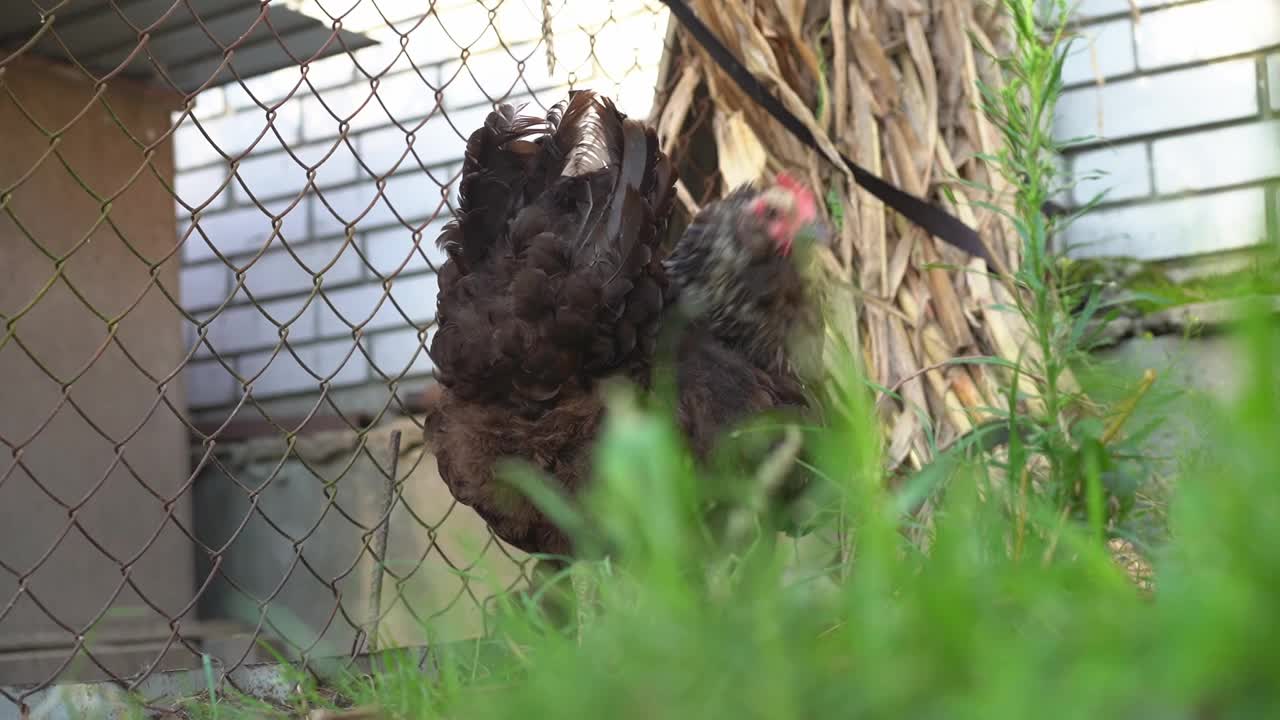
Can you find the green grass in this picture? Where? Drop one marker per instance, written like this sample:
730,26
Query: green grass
1009,606
683,628
1149,288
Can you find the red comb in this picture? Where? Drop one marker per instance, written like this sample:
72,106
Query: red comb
788,181
804,198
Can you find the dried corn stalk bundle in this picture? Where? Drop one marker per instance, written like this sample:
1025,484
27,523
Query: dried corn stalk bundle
894,85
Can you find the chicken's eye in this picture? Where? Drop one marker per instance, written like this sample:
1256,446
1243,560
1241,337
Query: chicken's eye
771,213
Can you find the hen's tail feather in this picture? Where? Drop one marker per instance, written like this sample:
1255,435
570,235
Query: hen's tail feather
553,274
495,169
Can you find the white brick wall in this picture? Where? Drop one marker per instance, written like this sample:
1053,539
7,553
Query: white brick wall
1092,9
1101,50
1206,30
1120,171
370,253
1273,82
1179,101
1226,156
1175,228
1160,102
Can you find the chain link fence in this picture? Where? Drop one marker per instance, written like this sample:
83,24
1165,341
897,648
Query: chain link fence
208,440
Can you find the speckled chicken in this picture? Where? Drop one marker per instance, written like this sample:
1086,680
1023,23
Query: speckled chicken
555,281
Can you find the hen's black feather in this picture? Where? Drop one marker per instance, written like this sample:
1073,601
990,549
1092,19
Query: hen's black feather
552,254
552,282
555,281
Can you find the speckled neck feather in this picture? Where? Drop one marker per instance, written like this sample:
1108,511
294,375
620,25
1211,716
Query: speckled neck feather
749,297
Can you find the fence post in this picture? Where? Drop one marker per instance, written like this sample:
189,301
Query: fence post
379,546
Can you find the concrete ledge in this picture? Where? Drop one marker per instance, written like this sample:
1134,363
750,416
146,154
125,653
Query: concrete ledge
1208,316
269,682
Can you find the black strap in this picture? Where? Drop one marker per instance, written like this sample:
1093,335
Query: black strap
931,218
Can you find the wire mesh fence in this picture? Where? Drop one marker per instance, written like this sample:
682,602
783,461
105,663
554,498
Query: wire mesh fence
197,427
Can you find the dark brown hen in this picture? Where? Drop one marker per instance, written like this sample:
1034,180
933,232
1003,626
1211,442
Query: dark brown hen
743,279
554,282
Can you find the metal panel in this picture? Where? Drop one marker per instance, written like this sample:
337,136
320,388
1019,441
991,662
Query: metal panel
185,41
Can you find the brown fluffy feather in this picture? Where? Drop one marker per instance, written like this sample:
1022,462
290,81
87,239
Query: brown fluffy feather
554,282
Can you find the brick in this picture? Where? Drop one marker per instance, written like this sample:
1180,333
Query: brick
407,97
468,27
393,251
332,71
210,103
369,307
400,354
209,384
236,132
323,114
1275,213
335,362
1275,207
413,196
403,96
341,363
535,75
406,14
1166,101
427,42
263,90
382,150
198,187
204,286
435,142
1216,158
416,299
1124,173
233,232
1273,80
1087,9
515,24
232,134
443,138
337,163
1208,30
376,60
272,175
365,17
288,121
278,174
337,263
1109,45
350,308
190,147
1173,228
349,205
300,314
486,78
279,272
255,325
236,329
295,225
1061,169
241,231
